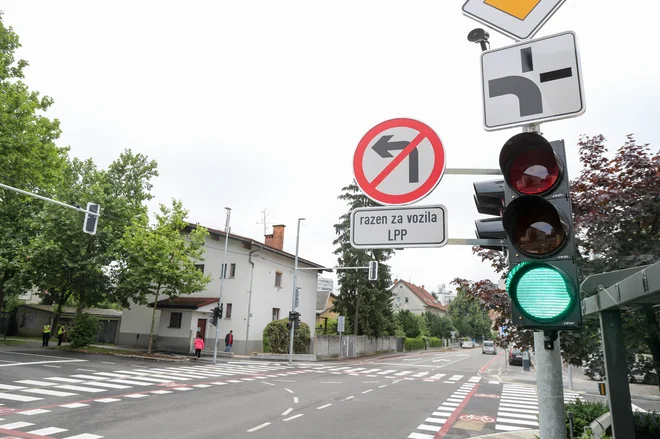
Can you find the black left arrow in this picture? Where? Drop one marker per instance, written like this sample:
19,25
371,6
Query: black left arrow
383,147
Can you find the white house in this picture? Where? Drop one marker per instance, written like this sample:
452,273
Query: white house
257,289
415,299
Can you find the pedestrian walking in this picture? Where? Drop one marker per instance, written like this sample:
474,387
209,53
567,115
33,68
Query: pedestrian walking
229,340
199,345
60,335
45,335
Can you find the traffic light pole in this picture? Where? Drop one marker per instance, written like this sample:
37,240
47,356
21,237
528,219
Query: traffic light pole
223,274
50,200
552,420
293,295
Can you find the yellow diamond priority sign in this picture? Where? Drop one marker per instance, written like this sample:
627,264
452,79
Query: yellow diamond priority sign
517,19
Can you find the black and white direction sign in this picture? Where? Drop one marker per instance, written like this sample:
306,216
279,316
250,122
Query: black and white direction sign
535,81
399,227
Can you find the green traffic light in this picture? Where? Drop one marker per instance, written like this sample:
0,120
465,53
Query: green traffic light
541,292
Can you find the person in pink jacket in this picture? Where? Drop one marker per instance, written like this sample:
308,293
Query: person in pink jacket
199,345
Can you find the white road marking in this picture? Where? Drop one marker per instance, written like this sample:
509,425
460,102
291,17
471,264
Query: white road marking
85,436
47,431
15,425
287,411
10,387
323,406
429,427
81,388
405,372
45,363
220,383
161,392
369,382
258,427
34,383
293,417
509,428
265,382
368,390
517,421
136,395
49,392
107,362
420,436
108,385
295,400
90,370
516,415
107,400
385,372
349,397
183,389
89,377
285,381
49,365
289,390
74,405
384,385
33,412
435,420
330,382
64,380
493,382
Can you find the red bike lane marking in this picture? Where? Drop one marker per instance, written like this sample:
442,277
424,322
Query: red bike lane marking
22,435
454,416
488,364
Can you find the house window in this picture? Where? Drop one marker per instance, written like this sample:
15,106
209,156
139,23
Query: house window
398,299
200,267
228,311
175,319
278,279
276,313
232,271
406,299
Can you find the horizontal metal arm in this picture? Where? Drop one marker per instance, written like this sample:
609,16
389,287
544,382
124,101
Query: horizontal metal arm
480,242
335,268
472,171
30,194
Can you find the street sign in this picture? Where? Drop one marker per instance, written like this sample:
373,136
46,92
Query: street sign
535,81
517,19
453,333
340,324
399,227
409,175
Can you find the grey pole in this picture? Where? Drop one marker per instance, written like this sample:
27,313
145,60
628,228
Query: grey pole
295,289
552,420
570,377
223,274
616,373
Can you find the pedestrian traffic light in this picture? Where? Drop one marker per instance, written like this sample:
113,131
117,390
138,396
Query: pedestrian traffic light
216,315
538,221
489,199
373,270
91,221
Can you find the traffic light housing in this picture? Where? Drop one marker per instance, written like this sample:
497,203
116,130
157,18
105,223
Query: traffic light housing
489,199
538,222
373,270
294,317
216,315
91,221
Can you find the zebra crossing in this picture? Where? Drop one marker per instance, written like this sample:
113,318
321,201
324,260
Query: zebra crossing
395,374
97,383
518,408
49,432
434,423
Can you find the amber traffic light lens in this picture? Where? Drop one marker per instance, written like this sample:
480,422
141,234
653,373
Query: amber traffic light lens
534,226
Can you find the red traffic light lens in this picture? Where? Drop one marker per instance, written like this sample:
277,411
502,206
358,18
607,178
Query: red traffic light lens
534,226
530,165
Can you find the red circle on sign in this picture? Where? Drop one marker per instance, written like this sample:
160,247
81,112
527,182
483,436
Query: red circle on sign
370,189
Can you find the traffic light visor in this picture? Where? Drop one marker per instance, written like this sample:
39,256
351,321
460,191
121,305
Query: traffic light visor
534,226
530,165
540,291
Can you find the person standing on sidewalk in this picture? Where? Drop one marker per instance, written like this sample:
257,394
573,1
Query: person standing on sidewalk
229,340
199,345
60,334
45,335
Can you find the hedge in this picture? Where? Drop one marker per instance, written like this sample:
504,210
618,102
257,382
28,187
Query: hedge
647,424
419,343
276,338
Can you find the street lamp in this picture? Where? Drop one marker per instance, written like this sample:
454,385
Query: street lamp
295,290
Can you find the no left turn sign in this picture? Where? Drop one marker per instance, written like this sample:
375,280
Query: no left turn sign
399,161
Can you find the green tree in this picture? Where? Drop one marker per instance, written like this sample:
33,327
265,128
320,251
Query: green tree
160,259
85,330
65,263
438,326
409,323
30,160
373,300
468,317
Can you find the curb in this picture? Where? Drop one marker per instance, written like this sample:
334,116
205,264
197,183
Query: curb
139,357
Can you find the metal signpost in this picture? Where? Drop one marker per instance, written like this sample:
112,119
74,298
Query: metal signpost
517,19
534,81
340,329
402,227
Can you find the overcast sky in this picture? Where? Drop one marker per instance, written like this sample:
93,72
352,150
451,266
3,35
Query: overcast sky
261,104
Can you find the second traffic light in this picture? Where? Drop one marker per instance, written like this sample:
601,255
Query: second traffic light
373,270
538,222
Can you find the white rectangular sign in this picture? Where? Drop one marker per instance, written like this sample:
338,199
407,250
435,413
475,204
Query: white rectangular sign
536,81
340,324
399,227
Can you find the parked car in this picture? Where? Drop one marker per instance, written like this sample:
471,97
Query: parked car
515,357
467,345
489,348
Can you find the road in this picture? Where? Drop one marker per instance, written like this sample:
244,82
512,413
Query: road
452,394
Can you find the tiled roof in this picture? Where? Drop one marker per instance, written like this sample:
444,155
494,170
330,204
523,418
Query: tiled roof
424,296
68,311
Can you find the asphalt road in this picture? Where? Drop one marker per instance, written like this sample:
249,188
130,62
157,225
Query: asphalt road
453,394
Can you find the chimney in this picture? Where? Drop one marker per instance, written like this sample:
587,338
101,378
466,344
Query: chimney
276,239
422,286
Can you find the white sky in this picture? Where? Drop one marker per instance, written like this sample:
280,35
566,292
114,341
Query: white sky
261,104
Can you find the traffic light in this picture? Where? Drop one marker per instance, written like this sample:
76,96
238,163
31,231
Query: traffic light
294,317
373,270
538,222
91,221
216,315
489,199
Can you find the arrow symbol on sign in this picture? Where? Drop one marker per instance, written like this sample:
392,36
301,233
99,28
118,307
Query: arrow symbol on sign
383,147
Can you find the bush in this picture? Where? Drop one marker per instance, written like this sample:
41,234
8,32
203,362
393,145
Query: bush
584,413
410,323
276,338
85,330
414,344
435,342
332,328
647,425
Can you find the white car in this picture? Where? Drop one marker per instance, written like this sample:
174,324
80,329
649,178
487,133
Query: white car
467,345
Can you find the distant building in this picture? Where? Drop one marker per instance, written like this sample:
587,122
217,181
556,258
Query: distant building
415,299
445,297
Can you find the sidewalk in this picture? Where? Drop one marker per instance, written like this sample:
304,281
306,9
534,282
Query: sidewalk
525,434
